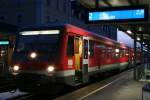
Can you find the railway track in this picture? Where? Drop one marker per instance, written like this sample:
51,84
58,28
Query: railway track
10,92
7,87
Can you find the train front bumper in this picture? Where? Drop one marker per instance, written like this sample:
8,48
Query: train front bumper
35,77
42,78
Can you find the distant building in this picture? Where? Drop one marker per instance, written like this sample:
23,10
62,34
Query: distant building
26,13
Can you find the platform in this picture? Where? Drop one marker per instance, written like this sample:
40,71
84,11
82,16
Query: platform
120,87
126,89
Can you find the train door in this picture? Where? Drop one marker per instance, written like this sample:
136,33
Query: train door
78,59
85,60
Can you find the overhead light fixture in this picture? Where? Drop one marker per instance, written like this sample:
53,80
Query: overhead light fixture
129,32
140,29
145,50
138,39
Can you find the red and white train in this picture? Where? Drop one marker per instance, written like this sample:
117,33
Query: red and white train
66,54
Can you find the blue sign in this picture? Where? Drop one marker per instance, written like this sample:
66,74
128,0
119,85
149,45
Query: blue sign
118,14
115,15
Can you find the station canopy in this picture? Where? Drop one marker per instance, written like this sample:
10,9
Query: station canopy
142,29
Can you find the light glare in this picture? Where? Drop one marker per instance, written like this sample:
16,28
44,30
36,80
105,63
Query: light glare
143,43
117,50
129,32
138,39
16,68
50,68
33,55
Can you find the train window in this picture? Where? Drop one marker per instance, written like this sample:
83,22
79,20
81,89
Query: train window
124,52
109,52
91,48
121,53
116,53
103,48
70,46
117,50
109,49
127,52
113,53
85,49
41,43
76,45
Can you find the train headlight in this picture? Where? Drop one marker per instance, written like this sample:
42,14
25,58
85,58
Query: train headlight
33,55
50,68
16,68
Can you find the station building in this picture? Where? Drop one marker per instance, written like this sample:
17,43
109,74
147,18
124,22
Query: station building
7,41
28,13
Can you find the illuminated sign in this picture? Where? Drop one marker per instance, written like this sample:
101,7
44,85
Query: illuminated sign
4,42
114,15
43,32
118,14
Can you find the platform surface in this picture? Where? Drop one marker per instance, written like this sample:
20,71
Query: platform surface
120,87
125,89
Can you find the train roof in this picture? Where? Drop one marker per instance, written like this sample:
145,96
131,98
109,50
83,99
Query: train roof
105,39
85,32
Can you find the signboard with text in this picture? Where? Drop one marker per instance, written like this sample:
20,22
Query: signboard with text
117,14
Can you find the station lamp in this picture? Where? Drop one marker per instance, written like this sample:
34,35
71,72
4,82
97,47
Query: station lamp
129,32
140,29
143,43
138,39
146,45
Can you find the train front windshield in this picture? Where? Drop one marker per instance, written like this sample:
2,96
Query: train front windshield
43,42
